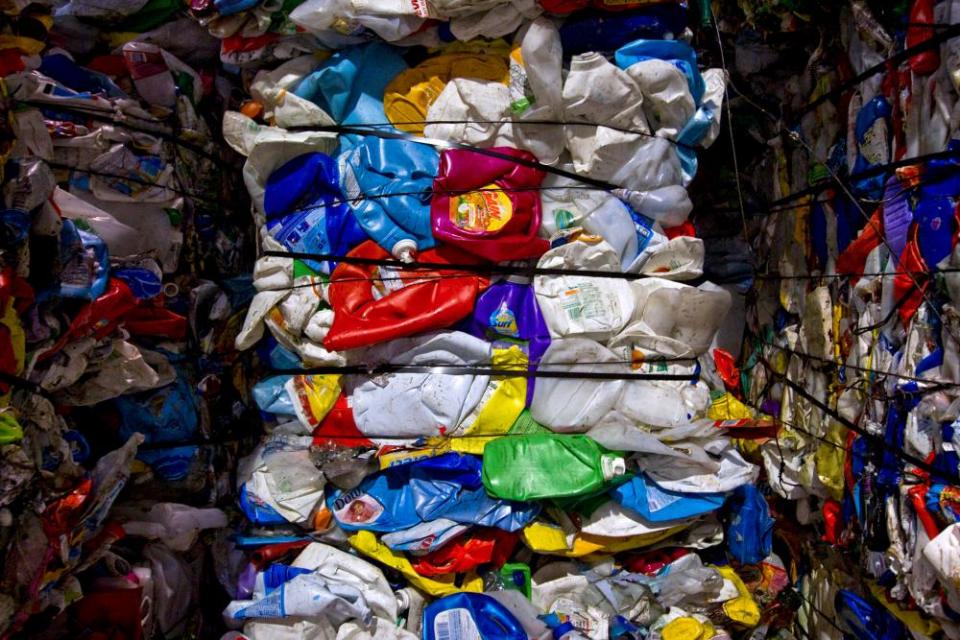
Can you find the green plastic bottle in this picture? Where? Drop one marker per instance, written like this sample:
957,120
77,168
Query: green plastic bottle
548,465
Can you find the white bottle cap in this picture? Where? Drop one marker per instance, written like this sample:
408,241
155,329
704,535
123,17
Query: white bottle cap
612,467
404,250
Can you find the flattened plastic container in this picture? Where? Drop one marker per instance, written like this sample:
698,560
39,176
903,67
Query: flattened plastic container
374,304
488,206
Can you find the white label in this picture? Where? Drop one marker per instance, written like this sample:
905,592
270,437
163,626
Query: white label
455,624
585,301
587,620
657,498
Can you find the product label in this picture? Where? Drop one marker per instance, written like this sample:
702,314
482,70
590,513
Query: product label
658,499
504,321
644,228
484,211
455,624
357,508
586,620
385,281
584,302
521,94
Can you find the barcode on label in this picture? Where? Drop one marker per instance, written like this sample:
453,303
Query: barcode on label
442,630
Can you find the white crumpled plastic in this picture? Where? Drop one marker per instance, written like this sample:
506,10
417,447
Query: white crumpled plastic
410,405
583,306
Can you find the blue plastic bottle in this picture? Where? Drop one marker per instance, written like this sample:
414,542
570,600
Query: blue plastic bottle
470,616
307,212
389,184
655,504
447,486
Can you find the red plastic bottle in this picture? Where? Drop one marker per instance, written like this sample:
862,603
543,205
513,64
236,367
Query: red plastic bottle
921,13
488,206
373,304
486,546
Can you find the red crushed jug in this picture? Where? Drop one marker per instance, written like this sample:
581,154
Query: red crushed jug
154,320
854,258
486,546
921,13
338,427
373,304
488,206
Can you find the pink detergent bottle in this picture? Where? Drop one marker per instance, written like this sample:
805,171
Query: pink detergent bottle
488,206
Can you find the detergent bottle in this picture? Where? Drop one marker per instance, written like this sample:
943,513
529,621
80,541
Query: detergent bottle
527,467
447,486
307,212
374,304
488,206
387,183
470,616
507,313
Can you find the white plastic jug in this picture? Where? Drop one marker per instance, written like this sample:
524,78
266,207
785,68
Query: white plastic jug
672,319
409,405
583,306
571,405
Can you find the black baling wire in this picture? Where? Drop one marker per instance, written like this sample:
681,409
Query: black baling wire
134,179
821,614
796,428
810,356
775,277
554,123
952,479
474,370
450,144
431,191
948,33
822,185
481,269
26,385
119,118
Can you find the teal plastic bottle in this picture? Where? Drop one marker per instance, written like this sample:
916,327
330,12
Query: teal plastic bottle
548,465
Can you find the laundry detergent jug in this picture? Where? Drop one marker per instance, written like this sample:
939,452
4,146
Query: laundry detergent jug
470,616
526,467
488,206
374,304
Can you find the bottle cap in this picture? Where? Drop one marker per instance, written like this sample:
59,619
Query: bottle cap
404,250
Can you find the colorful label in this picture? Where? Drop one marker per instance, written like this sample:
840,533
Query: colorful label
486,210
357,508
563,218
521,94
504,322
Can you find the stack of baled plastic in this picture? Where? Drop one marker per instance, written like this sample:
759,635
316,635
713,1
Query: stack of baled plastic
123,285
854,333
494,405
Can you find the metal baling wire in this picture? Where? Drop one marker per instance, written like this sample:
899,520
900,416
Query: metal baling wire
119,118
475,268
794,136
797,137
776,277
824,185
733,144
876,440
556,123
948,33
891,374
